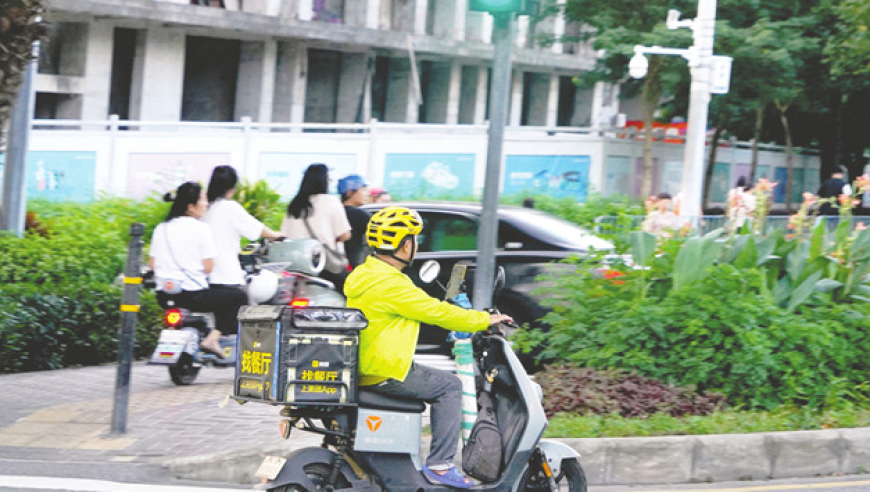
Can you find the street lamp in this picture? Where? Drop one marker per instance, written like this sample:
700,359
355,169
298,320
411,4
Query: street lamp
701,64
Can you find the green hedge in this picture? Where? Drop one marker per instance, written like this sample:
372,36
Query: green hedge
722,334
58,300
52,327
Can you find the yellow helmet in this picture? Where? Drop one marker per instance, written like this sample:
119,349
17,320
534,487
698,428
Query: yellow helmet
390,226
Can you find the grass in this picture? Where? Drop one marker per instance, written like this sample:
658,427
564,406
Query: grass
721,422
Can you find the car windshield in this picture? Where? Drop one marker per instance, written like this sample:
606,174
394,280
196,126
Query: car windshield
558,231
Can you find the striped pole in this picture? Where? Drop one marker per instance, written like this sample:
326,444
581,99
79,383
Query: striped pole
464,355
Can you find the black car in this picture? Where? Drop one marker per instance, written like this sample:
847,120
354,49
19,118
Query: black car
529,241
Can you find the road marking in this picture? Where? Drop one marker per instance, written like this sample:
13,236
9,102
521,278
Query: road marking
84,485
764,488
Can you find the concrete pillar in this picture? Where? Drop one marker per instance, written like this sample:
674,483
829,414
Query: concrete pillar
516,110
605,104
288,105
158,75
559,23
373,13
583,104
98,71
480,97
468,93
521,38
305,11
538,92
354,88
442,98
355,13
402,103
409,15
289,9
449,19
553,101
255,86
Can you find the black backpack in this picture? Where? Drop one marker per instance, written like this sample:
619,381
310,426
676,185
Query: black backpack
482,454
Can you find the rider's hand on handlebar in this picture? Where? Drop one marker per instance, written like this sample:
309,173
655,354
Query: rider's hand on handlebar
495,319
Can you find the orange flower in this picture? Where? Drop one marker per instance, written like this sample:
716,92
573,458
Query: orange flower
809,197
844,199
862,183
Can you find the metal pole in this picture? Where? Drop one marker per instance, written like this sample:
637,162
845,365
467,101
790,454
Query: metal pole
699,98
14,204
498,108
129,310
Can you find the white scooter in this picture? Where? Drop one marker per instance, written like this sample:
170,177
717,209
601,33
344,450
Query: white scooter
277,273
374,443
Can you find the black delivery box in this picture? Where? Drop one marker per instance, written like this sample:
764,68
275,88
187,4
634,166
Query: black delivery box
298,356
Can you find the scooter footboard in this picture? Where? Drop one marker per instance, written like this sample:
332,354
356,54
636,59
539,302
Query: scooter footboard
294,471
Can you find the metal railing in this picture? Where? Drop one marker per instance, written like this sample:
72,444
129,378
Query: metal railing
614,224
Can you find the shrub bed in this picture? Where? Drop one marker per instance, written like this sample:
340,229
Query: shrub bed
57,294
585,391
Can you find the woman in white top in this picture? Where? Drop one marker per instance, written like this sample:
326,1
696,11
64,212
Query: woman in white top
229,223
182,255
315,214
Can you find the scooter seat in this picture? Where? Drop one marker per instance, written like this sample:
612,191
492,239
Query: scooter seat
370,399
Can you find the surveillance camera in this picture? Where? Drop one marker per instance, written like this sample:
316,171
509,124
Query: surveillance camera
638,66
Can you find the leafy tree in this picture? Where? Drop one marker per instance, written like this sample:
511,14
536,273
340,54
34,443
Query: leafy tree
19,27
618,26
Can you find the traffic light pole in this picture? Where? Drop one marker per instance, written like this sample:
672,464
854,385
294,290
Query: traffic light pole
484,275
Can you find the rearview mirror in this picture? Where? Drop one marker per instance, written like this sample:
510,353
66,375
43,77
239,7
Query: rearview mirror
429,271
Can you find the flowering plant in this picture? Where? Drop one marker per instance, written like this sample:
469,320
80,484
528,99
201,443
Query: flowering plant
763,199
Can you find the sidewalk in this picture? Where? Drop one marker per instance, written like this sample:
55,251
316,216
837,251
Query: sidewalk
56,423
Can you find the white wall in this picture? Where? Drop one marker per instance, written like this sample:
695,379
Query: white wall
129,162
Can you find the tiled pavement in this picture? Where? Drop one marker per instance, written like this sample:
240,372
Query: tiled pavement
65,416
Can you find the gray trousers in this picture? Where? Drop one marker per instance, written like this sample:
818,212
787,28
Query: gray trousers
443,392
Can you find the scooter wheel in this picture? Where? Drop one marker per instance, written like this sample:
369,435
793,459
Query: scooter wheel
319,474
571,478
183,373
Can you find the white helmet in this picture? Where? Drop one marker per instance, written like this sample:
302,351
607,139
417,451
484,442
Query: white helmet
263,286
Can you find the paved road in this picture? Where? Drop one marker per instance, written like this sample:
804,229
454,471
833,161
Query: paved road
825,484
56,423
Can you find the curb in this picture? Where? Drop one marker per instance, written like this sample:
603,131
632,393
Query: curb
636,460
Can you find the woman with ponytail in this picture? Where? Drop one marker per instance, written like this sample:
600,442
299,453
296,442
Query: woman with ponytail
182,256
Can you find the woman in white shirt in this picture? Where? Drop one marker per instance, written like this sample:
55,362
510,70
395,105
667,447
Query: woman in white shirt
182,255
229,223
315,214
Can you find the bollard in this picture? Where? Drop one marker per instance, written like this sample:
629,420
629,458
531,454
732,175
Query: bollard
129,316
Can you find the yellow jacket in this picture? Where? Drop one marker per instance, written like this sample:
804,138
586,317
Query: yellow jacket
395,307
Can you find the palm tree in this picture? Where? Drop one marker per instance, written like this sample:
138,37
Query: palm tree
20,26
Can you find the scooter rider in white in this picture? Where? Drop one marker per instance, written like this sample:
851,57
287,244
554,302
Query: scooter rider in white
395,307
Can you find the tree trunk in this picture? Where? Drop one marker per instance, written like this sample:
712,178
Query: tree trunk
18,31
789,164
652,92
759,124
711,163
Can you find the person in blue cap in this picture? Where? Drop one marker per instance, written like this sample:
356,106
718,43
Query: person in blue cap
354,193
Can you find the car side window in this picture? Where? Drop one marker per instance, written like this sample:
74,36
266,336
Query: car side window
443,232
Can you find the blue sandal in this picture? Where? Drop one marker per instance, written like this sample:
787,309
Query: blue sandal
452,477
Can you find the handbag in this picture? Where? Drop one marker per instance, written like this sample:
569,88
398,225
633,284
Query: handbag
482,454
336,261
